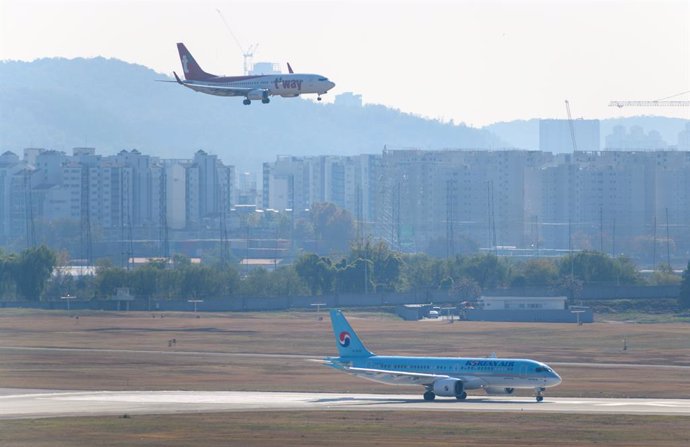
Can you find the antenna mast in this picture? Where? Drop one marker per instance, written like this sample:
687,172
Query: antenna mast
249,53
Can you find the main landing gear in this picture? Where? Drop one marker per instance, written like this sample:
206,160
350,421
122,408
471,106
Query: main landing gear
540,393
265,100
429,396
246,102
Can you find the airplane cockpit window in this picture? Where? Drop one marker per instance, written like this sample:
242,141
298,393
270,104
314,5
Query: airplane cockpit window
323,79
540,369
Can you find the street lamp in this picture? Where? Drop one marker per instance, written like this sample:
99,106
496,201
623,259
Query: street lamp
195,303
67,299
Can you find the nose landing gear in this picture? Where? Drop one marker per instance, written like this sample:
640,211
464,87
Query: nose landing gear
540,393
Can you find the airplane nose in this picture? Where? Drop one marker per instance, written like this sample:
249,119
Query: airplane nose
331,85
556,379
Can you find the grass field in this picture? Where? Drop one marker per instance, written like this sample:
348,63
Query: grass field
302,333
334,428
198,361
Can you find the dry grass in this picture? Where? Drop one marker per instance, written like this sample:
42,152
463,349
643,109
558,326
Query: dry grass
353,428
302,333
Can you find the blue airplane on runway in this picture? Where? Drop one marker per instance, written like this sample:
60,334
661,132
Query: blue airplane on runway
440,376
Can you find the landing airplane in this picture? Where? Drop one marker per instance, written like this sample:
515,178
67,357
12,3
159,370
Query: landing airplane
440,376
258,87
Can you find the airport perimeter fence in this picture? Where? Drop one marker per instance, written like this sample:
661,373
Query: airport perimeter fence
379,299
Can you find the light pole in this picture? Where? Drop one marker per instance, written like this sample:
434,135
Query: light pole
318,310
195,303
67,299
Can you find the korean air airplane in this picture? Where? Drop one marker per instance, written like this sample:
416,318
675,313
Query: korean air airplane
440,376
258,87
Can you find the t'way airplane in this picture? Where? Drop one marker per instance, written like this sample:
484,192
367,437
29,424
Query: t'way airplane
441,376
258,87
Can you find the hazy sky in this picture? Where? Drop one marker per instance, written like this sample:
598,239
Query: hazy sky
476,62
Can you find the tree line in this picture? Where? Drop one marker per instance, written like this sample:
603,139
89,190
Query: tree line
368,267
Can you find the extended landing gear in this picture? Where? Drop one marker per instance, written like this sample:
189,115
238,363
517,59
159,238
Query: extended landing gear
246,102
540,394
429,395
265,100
318,98
461,396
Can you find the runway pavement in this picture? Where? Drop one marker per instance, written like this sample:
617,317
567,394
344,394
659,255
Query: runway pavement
26,404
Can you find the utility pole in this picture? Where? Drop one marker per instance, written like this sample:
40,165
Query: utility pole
163,207
654,246
668,242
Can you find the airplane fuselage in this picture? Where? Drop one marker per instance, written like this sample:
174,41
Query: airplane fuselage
287,85
476,373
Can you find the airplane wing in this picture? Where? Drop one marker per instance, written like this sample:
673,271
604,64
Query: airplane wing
217,90
402,376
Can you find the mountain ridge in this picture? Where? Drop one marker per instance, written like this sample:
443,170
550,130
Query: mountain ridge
112,105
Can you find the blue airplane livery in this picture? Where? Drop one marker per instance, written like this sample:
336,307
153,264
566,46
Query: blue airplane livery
440,376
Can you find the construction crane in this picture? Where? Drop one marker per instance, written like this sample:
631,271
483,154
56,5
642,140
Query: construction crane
248,54
656,103
571,124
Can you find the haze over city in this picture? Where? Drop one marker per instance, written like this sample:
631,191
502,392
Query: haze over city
471,62
465,201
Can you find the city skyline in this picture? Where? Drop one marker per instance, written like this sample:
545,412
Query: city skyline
442,202
486,62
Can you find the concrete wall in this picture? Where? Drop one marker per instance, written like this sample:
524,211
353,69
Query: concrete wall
529,316
351,300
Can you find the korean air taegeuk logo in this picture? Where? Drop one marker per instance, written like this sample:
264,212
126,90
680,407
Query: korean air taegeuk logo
344,339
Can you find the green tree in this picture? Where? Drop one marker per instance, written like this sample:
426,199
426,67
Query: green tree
351,277
664,275
333,227
538,272
6,280
487,270
466,289
317,273
597,267
285,281
108,279
424,272
684,297
32,270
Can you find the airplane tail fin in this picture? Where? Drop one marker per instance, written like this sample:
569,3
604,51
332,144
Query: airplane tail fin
192,70
347,341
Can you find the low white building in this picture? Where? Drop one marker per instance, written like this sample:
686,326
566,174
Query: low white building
522,303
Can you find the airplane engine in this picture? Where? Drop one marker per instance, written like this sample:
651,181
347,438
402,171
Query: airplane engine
258,94
497,390
448,387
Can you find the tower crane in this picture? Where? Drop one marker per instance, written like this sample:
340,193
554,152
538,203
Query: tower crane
248,54
571,124
656,103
